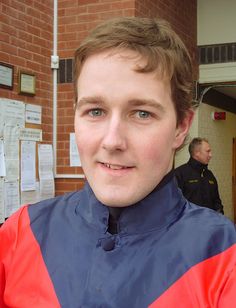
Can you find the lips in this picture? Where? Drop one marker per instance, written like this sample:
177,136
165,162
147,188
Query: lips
115,167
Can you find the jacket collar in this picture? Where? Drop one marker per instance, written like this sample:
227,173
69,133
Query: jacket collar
197,164
157,210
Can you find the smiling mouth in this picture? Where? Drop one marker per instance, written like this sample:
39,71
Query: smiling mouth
115,167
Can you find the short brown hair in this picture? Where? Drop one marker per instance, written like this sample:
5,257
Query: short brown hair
156,42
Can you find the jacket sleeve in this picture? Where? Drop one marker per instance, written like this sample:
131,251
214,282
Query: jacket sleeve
20,262
228,294
2,283
210,283
8,240
217,201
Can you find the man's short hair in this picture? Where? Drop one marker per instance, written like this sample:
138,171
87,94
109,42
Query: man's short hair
154,41
194,144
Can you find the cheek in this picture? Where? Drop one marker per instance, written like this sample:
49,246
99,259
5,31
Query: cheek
157,148
150,153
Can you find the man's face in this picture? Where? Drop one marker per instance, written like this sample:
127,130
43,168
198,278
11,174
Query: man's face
203,153
125,125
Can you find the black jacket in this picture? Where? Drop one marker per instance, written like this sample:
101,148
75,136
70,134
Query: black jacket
199,185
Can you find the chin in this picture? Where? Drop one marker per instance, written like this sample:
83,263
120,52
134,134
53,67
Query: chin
113,202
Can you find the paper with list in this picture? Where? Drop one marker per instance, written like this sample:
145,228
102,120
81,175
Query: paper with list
11,197
28,171
32,196
45,155
32,134
11,148
46,177
12,113
2,159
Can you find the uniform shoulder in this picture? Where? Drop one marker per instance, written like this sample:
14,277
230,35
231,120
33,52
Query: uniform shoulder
206,221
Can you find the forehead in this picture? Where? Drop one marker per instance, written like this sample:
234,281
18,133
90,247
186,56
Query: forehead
205,146
135,60
119,69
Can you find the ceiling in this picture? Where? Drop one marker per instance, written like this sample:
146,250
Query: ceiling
219,95
229,91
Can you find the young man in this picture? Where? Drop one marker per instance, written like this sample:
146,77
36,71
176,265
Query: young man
196,181
129,238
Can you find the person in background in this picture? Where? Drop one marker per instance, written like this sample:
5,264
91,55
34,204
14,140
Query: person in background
196,181
129,238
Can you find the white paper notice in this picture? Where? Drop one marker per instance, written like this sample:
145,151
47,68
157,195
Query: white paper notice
11,147
30,197
30,134
47,186
28,172
2,209
74,153
45,155
11,197
13,113
33,114
47,189
2,159
1,117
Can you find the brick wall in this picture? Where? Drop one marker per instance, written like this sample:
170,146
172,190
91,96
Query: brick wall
26,43
76,18
181,14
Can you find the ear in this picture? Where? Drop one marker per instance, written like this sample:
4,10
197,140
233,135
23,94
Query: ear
183,129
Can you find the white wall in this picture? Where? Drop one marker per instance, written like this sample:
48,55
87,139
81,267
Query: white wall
216,21
220,135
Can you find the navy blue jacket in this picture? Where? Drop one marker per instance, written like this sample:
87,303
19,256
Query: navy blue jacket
167,253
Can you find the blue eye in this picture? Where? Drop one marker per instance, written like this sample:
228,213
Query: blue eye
95,112
143,114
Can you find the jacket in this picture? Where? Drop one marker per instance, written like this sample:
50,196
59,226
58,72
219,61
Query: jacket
58,253
199,185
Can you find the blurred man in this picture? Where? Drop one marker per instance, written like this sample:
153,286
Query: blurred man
196,181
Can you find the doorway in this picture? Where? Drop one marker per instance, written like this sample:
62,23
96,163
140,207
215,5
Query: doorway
234,178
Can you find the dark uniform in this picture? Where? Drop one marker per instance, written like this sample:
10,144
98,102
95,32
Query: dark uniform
199,185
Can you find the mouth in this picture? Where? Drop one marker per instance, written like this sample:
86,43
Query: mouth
115,167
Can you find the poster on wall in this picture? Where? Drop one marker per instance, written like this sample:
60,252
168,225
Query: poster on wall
28,171
12,113
33,114
46,177
11,147
31,196
2,159
11,197
32,134
74,153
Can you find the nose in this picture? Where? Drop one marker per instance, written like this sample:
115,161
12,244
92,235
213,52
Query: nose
115,136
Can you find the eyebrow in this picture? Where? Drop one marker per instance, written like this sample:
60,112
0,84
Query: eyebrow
93,100
147,102
99,100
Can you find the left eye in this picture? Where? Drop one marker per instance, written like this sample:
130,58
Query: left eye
143,114
95,112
